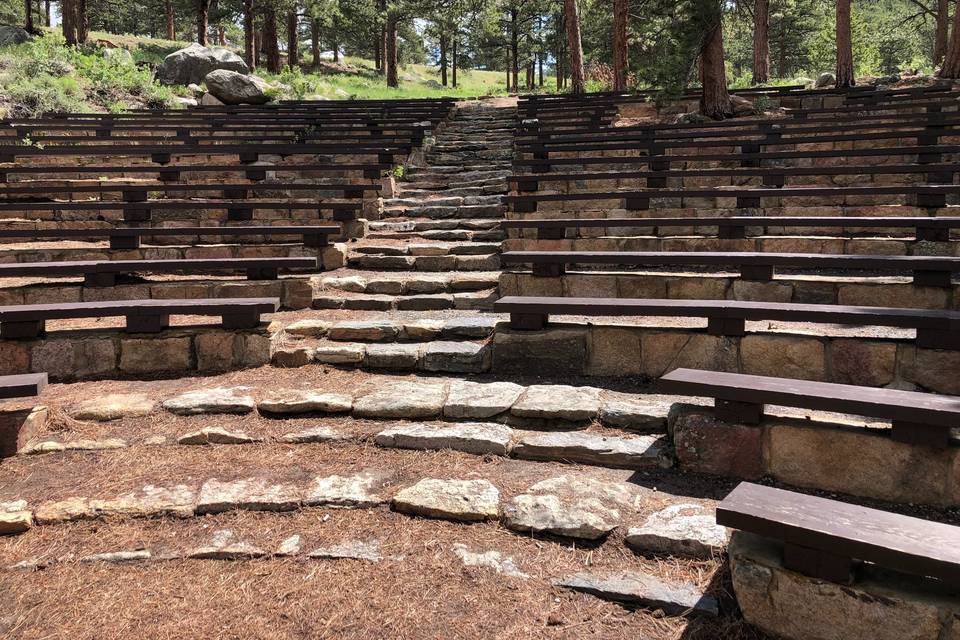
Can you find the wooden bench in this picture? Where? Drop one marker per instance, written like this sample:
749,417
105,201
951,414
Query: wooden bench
822,537
24,385
103,273
141,192
237,210
936,329
934,229
917,418
20,322
130,238
928,271
170,173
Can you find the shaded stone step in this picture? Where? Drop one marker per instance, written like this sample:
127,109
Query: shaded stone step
427,263
645,590
465,211
409,283
471,328
467,301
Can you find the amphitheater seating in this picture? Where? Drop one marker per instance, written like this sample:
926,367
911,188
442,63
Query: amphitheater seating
143,316
917,418
143,211
130,237
822,537
26,385
141,192
172,173
103,273
928,271
936,329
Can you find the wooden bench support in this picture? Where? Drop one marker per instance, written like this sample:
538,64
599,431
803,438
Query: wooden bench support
148,323
933,234
758,272
22,329
137,215
630,204
262,273
817,564
245,319
315,240
551,233
738,412
99,279
932,279
168,175
549,270
726,232
240,213
256,175
935,339
726,326
125,242
935,436
528,321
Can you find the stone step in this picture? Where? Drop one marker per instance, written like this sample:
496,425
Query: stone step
469,328
488,262
463,249
481,300
441,212
492,186
436,356
442,200
479,224
408,283
467,157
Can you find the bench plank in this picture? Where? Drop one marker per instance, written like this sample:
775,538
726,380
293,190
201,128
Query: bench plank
24,385
893,541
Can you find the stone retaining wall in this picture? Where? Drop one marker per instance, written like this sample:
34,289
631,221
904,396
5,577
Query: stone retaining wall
623,350
844,456
873,292
878,605
112,353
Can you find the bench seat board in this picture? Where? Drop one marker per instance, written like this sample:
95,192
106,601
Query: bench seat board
98,309
327,229
739,221
78,267
893,541
23,385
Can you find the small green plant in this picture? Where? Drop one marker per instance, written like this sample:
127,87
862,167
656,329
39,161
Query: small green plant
761,104
400,172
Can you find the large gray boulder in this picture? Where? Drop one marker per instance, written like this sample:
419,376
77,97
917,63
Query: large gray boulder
10,35
825,80
192,64
231,87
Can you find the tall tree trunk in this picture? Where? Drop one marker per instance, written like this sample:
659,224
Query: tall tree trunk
575,47
47,21
761,42
782,56
715,102
28,16
844,46
509,81
336,50
382,43
315,42
68,21
203,20
222,36
951,59
390,58
258,47
171,22
443,59
293,39
540,66
378,54
943,24
271,46
453,60
81,21
514,50
621,9
249,37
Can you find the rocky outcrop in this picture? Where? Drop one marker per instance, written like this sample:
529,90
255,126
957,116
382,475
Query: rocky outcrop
231,87
193,63
11,35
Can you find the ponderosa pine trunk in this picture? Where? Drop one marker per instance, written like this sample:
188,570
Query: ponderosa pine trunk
942,30
514,51
315,42
761,42
453,61
540,67
715,102
509,83
621,10
28,16
844,46
68,21
574,47
293,39
271,45
47,20
382,41
443,60
249,37
390,57
336,51
203,20
81,21
951,59
171,22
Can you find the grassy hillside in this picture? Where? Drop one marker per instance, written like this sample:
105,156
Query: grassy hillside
45,75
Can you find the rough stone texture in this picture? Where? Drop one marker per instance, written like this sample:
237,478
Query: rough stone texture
471,328
14,522
932,369
19,426
218,400
118,557
859,462
464,500
313,434
289,547
783,356
456,357
615,351
635,413
396,357
151,501
192,64
401,400
292,356
364,331
215,435
11,35
666,351
704,444
361,490
56,512
352,550
569,506
476,400
231,87
53,446
297,401
877,606
225,546
592,448
469,437
154,355
308,328
680,530
113,407
560,351
493,560
252,494
422,330
339,353
863,363
645,590
558,401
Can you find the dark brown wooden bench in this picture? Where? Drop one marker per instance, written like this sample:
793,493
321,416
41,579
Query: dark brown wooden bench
936,329
917,418
142,192
936,229
171,173
928,271
130,238
24,385
19,322
103,273
237,210
822,537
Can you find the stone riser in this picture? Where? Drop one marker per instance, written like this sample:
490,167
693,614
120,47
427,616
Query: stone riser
546,185
438,356
566,349
789,243
427,263
768,206
370,208
406,284
105,353
470,301
55,254
871,292
672,209
718,146
294,292
833,457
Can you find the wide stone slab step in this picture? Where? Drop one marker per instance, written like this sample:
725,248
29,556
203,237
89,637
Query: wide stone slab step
589,448
468,301
408,284
644,590
438,356
447,262
469,328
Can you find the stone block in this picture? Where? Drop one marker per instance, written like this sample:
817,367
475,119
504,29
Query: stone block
665,351
614,351
456,357
863,363
704,444
19,426
589,286
762,291
14,357
94,357
561,351
697,288
783,356
155,355
932,369
216,350
396,357
254,349
903,296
